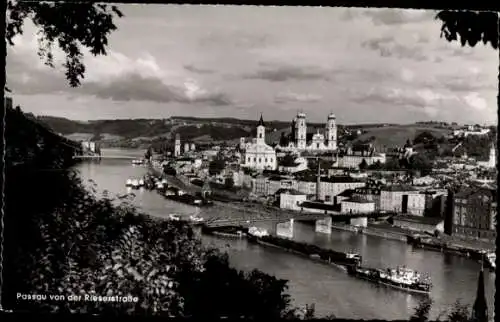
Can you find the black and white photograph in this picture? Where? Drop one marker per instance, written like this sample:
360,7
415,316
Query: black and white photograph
237,161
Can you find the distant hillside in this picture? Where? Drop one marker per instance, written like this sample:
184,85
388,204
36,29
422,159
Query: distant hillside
224,129
396,135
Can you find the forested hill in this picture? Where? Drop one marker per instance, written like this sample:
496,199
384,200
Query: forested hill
29,142
190,128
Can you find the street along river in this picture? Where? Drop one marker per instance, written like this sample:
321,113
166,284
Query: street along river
329,288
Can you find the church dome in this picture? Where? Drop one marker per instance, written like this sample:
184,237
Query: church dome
301,115
331,116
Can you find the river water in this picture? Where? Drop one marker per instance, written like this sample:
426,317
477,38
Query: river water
330,289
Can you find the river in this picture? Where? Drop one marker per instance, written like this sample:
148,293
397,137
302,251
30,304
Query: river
330,289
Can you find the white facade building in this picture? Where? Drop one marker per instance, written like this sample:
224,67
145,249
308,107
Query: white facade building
258,155
292,199
357,206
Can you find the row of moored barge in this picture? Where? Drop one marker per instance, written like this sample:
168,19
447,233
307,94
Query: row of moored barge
401,278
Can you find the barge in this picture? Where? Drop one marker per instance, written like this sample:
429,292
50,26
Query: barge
312,251
226,231
400,278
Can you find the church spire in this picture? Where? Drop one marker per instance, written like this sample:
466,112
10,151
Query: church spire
480,308
261,121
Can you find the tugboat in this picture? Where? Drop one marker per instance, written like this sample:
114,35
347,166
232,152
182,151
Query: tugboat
401,278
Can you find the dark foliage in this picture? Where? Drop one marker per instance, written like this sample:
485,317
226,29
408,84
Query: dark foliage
70,26
422,311
363,165
470,27
216,166
66,241
478,146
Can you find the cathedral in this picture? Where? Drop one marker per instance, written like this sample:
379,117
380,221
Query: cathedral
299,140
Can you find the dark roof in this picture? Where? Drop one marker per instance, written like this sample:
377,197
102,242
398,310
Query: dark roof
367,190
319,205
346,193
290,192
358,200
340,179
398,188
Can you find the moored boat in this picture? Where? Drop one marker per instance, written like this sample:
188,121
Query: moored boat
128,183
312,251
174,217
400,278
226,231
196,219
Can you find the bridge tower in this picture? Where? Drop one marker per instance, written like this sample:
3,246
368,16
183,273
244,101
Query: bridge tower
177,148
331,132
324,225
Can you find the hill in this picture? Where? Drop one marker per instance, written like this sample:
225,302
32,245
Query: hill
396,135
224,129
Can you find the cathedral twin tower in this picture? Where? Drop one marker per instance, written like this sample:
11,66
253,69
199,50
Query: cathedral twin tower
319,142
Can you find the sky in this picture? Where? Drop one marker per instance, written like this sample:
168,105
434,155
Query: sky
363,65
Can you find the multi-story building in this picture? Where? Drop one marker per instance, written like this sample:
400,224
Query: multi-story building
474,213
416,204
292,199
332,186
395,198
368,194
356,205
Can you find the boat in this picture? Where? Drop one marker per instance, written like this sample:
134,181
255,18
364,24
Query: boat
196,219
225,231
141,182
401,278
327,256
135,184
137,162
128,183
174,217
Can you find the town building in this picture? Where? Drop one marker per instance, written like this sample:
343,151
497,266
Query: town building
320,142
353,157
474,213
291,199
298,164
368,194
395,198
258,155
332,186
356,205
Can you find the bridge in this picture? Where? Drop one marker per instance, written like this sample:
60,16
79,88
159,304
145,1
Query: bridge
277,216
